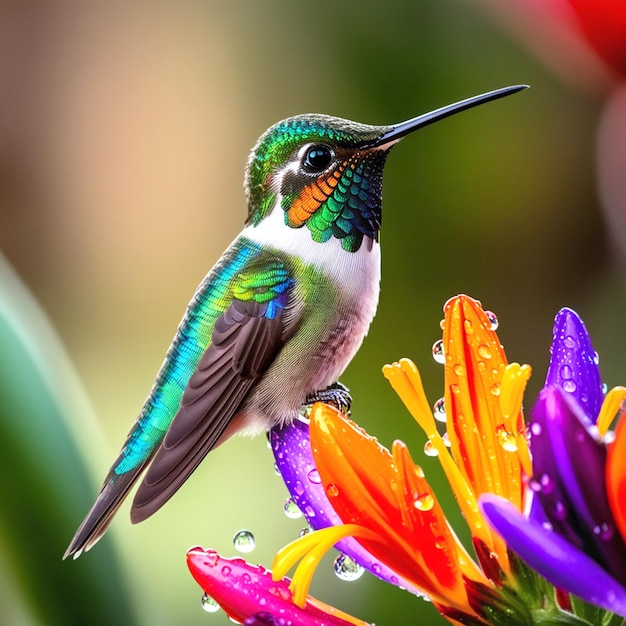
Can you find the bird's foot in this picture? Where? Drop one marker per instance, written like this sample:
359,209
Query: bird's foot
337,395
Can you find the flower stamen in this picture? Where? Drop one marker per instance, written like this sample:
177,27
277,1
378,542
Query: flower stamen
309,550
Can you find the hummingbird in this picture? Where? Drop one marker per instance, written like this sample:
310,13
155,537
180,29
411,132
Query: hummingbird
281,314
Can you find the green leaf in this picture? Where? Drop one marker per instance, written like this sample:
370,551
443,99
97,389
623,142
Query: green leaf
44,487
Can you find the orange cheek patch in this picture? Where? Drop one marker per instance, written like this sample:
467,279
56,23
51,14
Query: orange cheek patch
311,198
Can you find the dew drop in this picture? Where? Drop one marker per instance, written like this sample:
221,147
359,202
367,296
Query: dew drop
506,439
569,385
314,477
605,388
458,369
541,483
291,509
446,439
244,541
570,342
332,491
376,569
566,371
276,470
298,488
424,502
484,351
442,324
605,531
535,429
208,604
596,358
495,389
438,354
429,449
493,320
467,325
439,410
347,569
304,531
454,388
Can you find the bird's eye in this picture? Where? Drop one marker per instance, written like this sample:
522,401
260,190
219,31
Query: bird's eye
317,158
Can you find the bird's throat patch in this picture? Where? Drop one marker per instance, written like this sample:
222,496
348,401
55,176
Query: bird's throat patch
344,202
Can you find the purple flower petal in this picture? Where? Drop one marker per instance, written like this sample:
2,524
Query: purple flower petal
553,557
568,479
291,446
574,363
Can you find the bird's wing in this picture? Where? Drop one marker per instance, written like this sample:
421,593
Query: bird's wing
249,295
245,341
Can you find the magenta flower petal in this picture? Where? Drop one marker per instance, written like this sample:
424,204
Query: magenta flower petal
574,363
555,558
247,592
291,446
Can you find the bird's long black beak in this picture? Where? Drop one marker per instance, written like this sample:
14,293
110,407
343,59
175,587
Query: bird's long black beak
404,128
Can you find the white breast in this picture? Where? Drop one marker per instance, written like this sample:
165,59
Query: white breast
314,361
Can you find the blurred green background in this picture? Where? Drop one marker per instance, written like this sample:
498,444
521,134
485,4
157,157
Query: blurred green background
124,130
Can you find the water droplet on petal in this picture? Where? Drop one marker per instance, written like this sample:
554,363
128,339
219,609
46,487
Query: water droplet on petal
569,385
484,351
467,325
347,569
244,541
424,502
429,449
493,320
442,324
314,477
438,354
291,509
570,342
458,369
495,389
605,531
276,470
208,604
304,531
535,429
566,371
439,410
454,388
506,439
541,483
446,440
596,358
332,490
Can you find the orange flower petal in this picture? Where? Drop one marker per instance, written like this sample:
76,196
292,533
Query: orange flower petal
616,476
389,495
477,428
